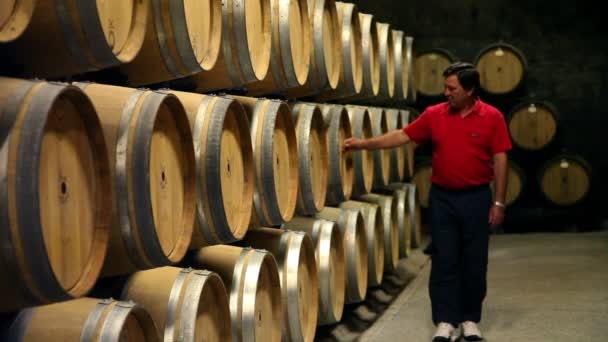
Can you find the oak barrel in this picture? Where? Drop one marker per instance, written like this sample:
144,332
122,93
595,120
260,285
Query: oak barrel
565,180
382,157
85,319
501,68
400,198
55,193
516,182
245,47
363,160
350,79
313,161
422,180
252,280
533,124
289,56
295,256
186,305
374,232
409,149
325,49
341,173
329,255
370,58
352,228
15,16
77,36
402,67
410,62
394,121
153,168
390,215
182,38
275,160
224,168
428,71
386,57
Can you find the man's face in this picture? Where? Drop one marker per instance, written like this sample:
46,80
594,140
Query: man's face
456,95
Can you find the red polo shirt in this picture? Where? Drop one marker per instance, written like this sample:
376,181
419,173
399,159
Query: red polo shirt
462,147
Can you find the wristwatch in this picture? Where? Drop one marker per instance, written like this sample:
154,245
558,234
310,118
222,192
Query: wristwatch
499,204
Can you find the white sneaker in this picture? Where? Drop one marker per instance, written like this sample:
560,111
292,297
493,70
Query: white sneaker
445,333
470,331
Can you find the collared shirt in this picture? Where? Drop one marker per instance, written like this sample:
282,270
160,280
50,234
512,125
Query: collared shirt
463,147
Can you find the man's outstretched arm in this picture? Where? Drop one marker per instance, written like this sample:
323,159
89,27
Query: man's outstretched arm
388,140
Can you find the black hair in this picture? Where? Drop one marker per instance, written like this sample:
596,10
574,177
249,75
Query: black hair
467,75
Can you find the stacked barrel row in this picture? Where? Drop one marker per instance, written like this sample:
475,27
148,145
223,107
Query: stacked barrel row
318,49
224,216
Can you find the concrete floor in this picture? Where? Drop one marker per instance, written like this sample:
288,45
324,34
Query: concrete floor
541,287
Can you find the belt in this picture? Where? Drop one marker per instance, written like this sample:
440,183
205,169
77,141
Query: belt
471,188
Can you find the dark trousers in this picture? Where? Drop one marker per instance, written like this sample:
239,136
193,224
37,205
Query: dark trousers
459,256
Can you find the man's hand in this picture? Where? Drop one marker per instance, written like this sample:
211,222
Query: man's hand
353,144
497,216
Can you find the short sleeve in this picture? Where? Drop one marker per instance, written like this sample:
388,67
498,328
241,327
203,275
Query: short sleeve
419,130
501,141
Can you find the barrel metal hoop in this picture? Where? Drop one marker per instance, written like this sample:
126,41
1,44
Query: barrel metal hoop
242,50
121,186
323,249
7,120
90,326
213,172
250,284
268,176
142,139
27,181
68,29
92,27
320,79
289,253
172,306
306,187
113,324
235,294
182,37
202,219
190,305
161,35
288,74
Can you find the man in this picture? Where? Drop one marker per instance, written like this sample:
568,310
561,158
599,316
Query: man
470,141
